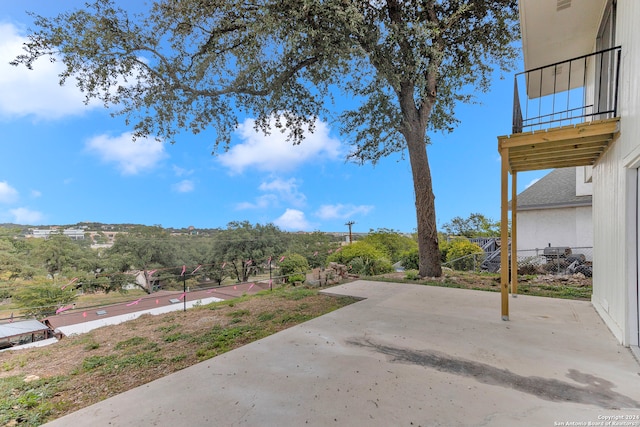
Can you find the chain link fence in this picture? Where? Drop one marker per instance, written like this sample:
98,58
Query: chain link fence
556,260
550,260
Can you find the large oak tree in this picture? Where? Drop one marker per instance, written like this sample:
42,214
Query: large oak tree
195,64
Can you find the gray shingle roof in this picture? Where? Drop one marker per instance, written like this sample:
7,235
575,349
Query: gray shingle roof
554,190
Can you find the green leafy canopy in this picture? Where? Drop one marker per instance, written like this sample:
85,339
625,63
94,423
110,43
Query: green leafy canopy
399,67
197,63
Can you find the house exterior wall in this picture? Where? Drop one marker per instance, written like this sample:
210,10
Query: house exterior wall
584,186
615,195
540,228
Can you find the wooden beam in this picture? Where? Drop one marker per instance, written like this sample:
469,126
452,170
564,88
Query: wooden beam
574,142
582,130
584,159
589,158
523,152
514,234
521,167
561,148
504,234
538,157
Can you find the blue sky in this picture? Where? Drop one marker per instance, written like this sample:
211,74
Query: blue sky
64,162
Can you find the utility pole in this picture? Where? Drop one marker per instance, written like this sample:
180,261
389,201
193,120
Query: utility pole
349,224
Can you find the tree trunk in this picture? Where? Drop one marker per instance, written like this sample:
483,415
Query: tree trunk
147,284
428,249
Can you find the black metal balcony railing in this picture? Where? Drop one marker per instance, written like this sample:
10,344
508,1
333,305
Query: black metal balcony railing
568,92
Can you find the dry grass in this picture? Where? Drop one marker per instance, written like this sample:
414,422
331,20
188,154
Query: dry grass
82,370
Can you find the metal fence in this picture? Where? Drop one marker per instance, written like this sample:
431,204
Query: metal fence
563,260
568,92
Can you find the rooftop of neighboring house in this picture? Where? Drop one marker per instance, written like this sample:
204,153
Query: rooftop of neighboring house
557,189
17,329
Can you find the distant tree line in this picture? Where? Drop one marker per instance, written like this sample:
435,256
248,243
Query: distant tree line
475,225
40,275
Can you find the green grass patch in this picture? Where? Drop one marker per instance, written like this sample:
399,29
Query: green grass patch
9,365
296,294
27,403
294,318
165,329
131,343
220,340
151,346
557,291
93,362
232,302
176,337
266,316
239,313
91,346
112,362
141,360
490,282
206,353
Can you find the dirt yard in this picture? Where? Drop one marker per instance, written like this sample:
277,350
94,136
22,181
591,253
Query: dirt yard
45,383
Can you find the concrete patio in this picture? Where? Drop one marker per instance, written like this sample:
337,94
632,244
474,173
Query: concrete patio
405,355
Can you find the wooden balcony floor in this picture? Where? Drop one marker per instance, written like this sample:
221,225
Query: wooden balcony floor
567,146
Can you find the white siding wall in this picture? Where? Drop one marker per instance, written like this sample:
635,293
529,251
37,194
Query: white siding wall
558,227
614,190
584,186
584,227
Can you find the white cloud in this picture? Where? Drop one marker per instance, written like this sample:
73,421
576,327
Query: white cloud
261,202
8,194
181,171
286,190
184,186
340,211
294,220
533,181
34,92
277,190
35,194
26,216
273,153
130,157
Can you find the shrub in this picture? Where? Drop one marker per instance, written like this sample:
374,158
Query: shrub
391,243
293,278
363,258
412,275
410,259
444,246
370,267
294,267
459,255
358,249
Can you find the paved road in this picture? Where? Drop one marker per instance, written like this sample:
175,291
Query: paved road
158,301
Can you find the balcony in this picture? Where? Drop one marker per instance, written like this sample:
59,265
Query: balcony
564,114
568,118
